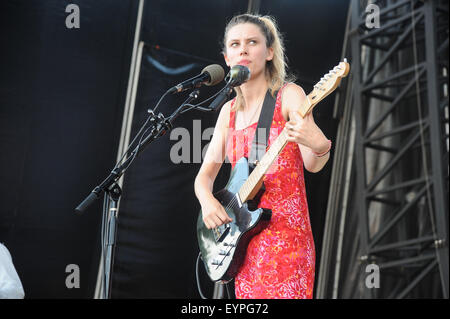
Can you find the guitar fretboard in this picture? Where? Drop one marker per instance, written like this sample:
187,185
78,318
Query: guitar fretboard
251,185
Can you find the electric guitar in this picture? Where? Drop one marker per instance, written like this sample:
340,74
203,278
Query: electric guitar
223,248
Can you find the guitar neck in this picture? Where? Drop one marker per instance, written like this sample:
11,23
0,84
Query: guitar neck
251,186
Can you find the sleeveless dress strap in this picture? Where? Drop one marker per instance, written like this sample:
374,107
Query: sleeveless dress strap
232,115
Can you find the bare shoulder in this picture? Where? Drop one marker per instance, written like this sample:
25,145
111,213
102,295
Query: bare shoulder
292,97
224,116
215,153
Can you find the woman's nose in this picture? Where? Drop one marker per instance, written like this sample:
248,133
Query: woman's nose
244,50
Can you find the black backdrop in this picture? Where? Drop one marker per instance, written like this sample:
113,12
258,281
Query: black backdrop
62,94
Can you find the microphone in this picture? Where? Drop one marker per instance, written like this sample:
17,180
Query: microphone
211,75
238,74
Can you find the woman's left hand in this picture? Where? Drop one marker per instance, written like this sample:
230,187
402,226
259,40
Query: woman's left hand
305,131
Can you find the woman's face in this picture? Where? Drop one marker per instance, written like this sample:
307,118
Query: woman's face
246,45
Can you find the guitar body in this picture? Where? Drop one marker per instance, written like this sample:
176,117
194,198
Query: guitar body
223,249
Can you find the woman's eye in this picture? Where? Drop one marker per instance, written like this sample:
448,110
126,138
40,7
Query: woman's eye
234,44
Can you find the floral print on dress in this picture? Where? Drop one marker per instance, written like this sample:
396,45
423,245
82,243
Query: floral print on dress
280,261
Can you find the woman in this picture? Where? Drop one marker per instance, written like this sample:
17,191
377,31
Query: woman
280,260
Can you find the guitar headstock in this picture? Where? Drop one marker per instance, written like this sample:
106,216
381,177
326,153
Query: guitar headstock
327,84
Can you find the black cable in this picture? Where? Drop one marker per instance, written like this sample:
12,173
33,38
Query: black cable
197,277
140,130
191,106
104,240
136,150
132,142
162,97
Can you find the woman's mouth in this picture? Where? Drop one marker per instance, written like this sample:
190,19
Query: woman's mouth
244,62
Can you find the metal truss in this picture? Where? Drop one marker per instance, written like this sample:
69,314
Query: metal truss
394,130
401,111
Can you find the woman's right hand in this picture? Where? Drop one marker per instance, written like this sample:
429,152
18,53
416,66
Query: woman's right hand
214,215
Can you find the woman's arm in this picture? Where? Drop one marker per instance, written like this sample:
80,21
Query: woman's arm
213,213
304,131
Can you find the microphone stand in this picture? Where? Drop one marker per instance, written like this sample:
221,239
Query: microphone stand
159,126
221,98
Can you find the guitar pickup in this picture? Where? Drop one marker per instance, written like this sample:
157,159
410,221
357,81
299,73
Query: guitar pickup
221,232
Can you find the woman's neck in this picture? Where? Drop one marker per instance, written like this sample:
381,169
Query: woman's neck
253,91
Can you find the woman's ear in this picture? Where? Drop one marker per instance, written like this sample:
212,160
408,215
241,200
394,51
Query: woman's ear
270,54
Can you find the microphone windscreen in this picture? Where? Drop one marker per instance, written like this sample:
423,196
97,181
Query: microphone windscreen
216,74
239,74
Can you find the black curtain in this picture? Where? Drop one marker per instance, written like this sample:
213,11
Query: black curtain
62,93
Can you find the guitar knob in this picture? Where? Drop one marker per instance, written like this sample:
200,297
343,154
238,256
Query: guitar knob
223,252
216,263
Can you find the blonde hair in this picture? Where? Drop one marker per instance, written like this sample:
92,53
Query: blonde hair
276,69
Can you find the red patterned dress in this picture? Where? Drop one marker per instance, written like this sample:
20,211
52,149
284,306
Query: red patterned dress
280,261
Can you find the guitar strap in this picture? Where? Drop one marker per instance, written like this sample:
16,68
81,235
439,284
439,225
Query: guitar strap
262,132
